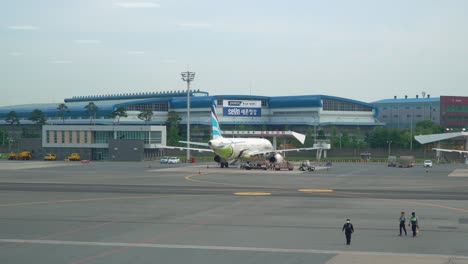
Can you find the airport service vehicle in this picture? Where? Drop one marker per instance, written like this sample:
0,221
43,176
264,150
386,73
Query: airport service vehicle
392,161
24,155
306,166
228,151
50,157
163,159
74,157
428,164
12,156
405,161
173,160
253,166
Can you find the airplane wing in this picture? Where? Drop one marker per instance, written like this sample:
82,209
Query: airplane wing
450,150
185,148
195,143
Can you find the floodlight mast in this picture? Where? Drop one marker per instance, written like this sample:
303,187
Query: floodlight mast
188,78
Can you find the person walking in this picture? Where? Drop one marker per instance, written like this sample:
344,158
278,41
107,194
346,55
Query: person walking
402,223
348,229
414,223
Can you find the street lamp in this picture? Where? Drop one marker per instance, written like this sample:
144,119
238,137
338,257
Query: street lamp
389,142
341,135
188,77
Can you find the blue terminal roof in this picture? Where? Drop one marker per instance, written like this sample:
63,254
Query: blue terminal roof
125,96
407,100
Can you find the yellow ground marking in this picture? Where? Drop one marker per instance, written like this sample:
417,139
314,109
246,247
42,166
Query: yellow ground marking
253,193
315,190
89,200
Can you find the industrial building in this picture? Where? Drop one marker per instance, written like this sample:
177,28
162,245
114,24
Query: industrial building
451,112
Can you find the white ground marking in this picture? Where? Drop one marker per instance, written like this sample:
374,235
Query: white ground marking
226,248
459,173
368,259
21,165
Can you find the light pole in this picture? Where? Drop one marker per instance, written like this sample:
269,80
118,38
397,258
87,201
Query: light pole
389,142
411,133
341,134
188,77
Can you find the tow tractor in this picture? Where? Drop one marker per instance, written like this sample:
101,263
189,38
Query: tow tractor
253,166
306,166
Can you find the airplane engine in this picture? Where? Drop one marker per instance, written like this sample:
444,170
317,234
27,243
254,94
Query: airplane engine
217,159
277,158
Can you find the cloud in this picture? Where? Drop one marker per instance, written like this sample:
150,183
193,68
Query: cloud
168,61
62,62
23,27
135,52
137,5
87,41
15,53
195,24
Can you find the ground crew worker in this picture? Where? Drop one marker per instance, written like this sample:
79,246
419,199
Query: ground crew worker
348,229
414,223
402,223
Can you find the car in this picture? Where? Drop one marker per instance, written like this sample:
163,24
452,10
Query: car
428,164
163,159
50,157
173,160
74,157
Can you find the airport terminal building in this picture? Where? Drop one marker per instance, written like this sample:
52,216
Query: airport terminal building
78,129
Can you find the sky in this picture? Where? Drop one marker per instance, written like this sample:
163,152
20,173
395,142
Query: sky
365,50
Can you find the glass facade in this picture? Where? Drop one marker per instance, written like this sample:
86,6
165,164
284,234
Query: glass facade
102,136
153,137
156,107
335,105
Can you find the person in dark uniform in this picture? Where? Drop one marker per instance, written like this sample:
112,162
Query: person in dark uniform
414,223
348,229
403,223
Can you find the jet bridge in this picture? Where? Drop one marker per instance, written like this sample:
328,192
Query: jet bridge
425,139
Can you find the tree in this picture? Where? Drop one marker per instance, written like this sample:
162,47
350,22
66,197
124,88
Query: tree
63,109
120,112
37,116
334,137
345,139
145,115
356,141
321,134
173,124
12,118
92,109
309,140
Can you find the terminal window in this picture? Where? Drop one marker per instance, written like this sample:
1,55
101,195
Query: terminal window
335,105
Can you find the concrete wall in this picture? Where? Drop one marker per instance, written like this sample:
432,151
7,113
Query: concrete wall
126,149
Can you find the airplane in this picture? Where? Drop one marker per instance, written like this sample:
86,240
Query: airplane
454,150
230,150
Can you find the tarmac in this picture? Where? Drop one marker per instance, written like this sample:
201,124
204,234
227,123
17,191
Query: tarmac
146,212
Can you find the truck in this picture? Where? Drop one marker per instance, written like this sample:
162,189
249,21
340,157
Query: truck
405,161
12,156
392,161
74,157
24,155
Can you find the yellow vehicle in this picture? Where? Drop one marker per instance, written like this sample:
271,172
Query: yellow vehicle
12,156
50,157
74,156
24,155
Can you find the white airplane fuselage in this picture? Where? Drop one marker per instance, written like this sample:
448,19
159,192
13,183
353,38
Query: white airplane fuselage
239,148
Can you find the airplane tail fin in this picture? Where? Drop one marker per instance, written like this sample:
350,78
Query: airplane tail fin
216,130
